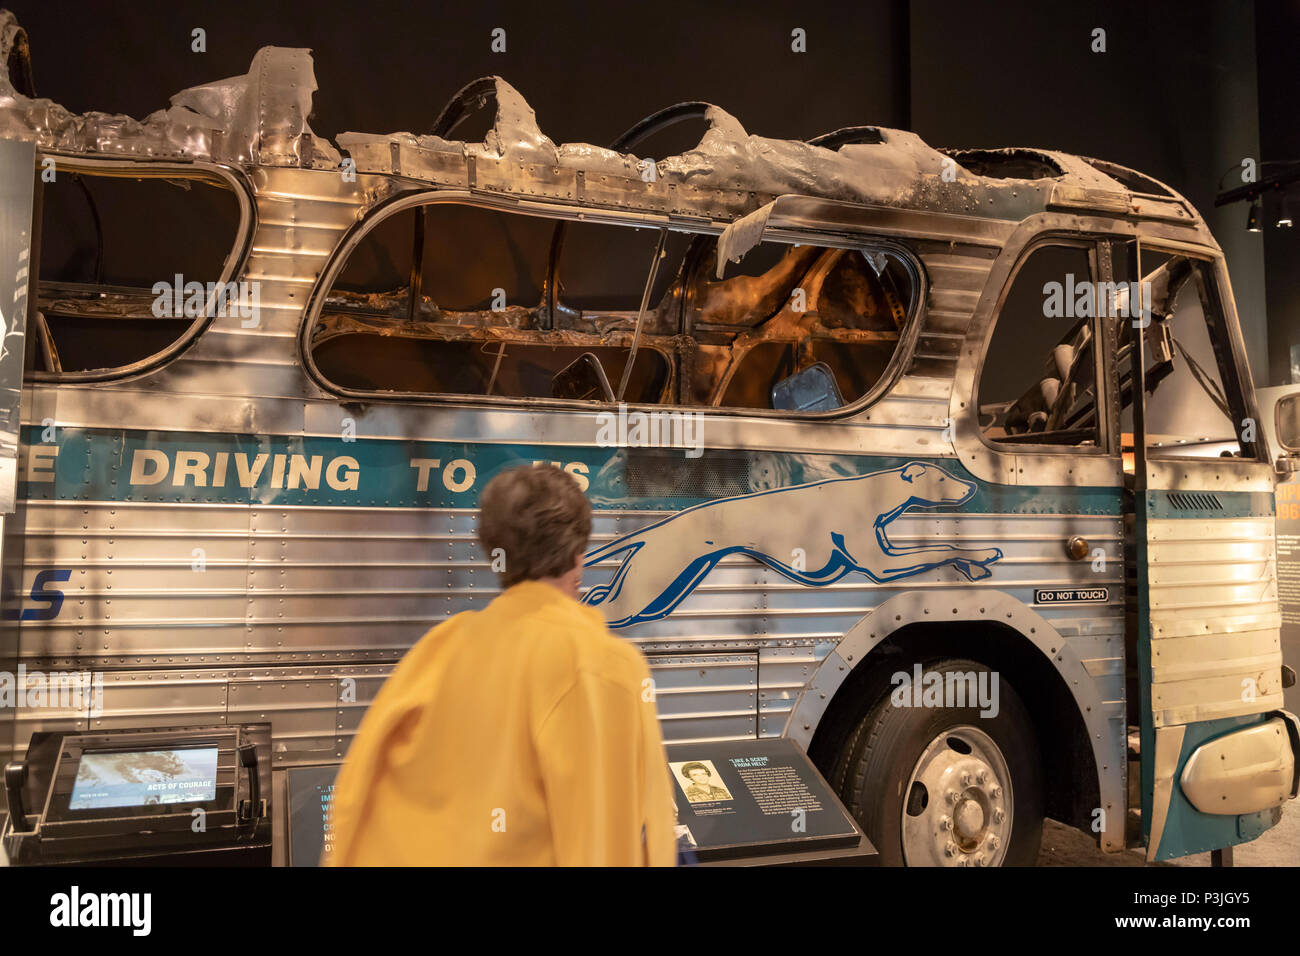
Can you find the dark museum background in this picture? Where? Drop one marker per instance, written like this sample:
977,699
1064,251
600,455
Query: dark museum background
1184,91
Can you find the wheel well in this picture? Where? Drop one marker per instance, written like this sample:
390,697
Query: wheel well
1069,769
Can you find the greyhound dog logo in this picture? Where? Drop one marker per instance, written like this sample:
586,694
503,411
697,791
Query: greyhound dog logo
838,523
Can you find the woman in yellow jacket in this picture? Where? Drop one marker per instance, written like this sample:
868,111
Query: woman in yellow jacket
524,734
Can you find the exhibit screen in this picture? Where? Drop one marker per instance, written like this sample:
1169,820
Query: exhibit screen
144,777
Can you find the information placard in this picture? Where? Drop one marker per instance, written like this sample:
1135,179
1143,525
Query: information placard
753,798
311,791
734,799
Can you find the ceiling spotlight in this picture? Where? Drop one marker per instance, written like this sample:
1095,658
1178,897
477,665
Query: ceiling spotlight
1252,219
1284,217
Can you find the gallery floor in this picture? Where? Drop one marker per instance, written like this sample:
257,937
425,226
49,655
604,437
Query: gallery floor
1280,846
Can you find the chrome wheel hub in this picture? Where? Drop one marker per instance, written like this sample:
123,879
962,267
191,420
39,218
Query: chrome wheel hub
957,808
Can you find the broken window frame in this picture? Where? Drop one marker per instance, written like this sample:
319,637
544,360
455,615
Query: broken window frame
1209,277
903,351
1107,430
233,265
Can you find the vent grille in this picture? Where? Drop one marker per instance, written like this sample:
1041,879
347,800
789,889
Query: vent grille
668,473
1195,501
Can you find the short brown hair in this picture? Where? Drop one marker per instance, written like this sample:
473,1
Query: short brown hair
540,519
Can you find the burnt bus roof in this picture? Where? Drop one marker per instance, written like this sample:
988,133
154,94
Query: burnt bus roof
260,119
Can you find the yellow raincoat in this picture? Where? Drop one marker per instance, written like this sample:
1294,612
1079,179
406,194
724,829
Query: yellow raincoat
524,734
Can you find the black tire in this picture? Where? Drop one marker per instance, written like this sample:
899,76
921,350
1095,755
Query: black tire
877,760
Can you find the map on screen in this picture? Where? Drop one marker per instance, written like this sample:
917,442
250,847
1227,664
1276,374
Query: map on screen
144,777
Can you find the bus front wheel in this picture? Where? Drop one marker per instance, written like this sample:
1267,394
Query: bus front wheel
939,778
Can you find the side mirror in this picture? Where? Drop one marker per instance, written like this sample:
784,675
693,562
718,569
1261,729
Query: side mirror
1286,421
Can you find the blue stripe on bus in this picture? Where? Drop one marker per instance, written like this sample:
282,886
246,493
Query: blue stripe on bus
91,464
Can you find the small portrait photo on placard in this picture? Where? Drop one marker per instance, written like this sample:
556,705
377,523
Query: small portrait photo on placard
699,781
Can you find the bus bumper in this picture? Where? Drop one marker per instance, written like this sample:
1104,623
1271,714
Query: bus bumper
1247,771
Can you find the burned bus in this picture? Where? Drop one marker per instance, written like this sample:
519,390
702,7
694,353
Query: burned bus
863,423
